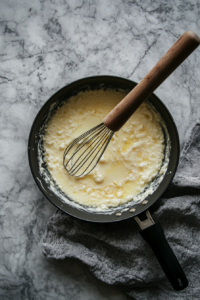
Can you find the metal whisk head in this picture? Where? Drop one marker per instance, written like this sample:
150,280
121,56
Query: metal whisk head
83,154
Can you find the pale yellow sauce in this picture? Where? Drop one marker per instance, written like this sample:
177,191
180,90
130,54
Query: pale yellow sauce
131,161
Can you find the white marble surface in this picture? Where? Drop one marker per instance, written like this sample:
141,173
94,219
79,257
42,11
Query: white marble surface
43,46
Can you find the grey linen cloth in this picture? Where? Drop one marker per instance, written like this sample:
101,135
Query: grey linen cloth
116,253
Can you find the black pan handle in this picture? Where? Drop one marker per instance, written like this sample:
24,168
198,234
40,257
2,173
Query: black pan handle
154,236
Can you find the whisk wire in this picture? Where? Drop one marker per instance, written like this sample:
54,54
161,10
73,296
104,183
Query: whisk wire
89,154
95,141
85,140
78,139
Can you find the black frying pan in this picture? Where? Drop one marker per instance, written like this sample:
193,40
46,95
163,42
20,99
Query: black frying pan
151,232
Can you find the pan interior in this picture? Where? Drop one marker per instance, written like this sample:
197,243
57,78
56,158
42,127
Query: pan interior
49,187
54,184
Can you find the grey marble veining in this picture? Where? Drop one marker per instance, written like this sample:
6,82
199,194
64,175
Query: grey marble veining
45,45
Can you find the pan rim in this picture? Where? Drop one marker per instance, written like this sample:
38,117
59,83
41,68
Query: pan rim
88,216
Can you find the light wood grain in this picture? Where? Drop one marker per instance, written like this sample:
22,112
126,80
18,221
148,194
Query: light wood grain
183,47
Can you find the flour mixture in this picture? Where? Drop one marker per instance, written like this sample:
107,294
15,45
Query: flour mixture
130,163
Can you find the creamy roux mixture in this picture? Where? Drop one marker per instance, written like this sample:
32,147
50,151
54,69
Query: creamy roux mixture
131,161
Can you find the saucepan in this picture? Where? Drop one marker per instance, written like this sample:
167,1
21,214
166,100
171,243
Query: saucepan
150,231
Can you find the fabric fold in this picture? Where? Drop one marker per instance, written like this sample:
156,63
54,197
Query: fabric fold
116,254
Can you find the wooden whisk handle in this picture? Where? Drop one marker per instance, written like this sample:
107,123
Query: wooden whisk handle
184,46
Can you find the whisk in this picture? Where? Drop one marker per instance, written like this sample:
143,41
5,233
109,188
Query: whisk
83,154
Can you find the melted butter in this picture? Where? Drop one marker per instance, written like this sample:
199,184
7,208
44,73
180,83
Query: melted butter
131,161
